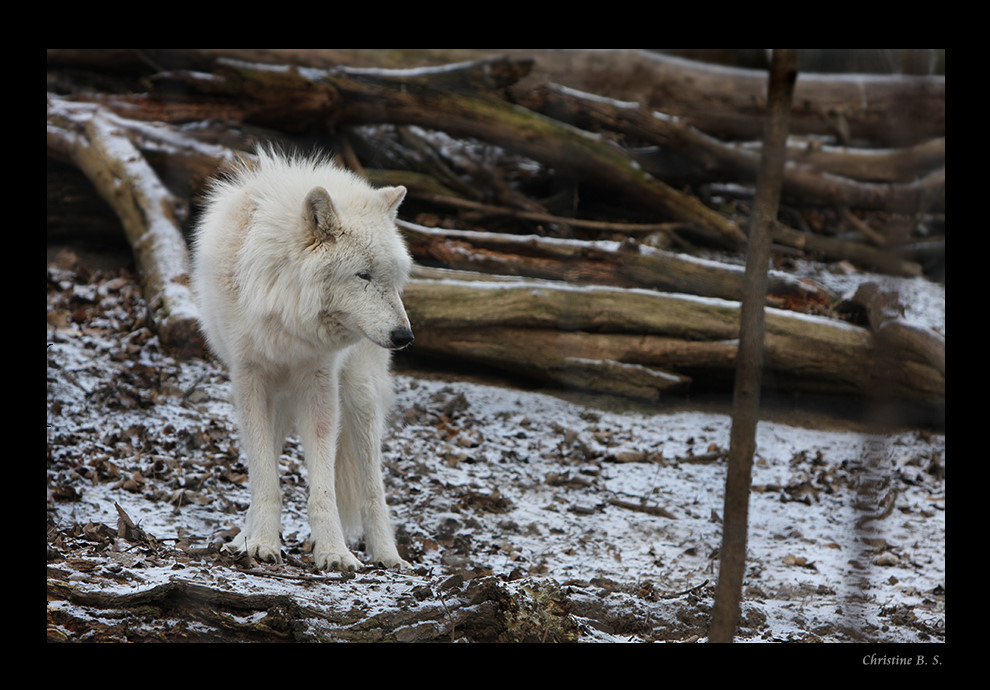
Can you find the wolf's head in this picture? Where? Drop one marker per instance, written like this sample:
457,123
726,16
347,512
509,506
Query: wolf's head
365,262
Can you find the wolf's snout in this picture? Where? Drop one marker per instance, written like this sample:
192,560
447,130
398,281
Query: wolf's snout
401,337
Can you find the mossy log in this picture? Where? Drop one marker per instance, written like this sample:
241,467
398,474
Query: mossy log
659,342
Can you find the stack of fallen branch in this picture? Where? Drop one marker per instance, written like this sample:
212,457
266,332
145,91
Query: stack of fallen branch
609,315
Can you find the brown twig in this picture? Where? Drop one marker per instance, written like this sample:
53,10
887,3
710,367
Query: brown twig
641,508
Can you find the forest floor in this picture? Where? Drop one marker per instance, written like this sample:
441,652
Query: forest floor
527,515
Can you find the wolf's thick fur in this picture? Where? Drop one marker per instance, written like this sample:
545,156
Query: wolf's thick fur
298,271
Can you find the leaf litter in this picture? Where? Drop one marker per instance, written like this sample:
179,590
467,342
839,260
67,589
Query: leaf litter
572,519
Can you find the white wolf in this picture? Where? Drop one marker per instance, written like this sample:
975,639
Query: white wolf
298,271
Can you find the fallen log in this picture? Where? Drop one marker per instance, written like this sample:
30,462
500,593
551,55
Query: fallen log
541,328
147,212
896,337
242,607
184,157
613,378
424,192
446,98
888,110
727,102
721,160
639,367
605,263
898,260
836,249
616,339
900,164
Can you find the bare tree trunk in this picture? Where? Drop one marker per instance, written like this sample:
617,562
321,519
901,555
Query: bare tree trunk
749,362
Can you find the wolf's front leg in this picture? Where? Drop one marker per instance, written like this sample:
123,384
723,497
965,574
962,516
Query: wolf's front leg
366,393
318,421
262,444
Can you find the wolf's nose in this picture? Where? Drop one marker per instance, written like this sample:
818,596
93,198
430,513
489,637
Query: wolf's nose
401,337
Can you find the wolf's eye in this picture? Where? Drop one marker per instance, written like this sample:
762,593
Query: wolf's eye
364,275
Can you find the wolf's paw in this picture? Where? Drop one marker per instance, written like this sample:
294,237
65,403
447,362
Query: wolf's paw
263,551
397,564
336,560
392,560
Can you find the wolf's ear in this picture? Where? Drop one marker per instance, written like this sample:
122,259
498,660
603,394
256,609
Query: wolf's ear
320,215
393,196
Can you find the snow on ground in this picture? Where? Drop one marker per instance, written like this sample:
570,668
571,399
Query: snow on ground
621,508
563,468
